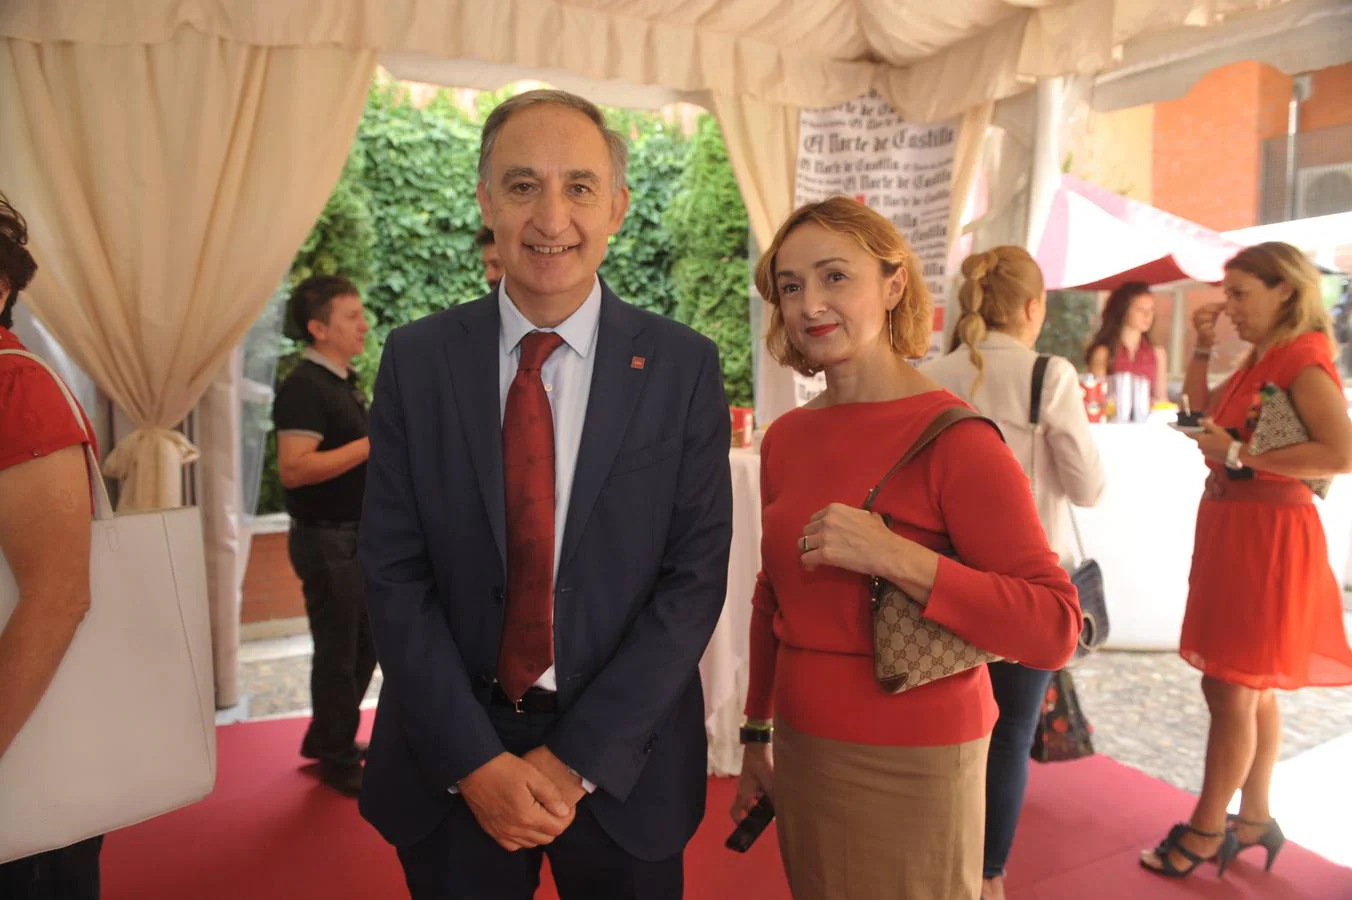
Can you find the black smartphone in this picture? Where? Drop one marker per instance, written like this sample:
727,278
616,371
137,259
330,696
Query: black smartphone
751,827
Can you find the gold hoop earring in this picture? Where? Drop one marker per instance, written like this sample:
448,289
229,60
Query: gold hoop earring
891,334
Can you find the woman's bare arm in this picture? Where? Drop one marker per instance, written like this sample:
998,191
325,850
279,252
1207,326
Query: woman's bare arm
44,536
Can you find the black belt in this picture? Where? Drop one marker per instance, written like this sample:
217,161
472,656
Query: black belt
321,523
536,701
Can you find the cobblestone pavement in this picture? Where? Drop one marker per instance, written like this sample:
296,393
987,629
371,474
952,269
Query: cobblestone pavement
1147,711
1146,708
278,686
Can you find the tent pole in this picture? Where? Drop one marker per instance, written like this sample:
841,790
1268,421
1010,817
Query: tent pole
1177,329
1046,169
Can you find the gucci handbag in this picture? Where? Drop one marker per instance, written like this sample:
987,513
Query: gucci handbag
908,649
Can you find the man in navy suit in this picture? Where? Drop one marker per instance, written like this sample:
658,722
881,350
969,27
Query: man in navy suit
544,703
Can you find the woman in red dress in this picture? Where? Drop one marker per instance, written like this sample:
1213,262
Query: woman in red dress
1264,608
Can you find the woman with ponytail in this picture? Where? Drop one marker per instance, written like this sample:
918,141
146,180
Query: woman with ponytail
991,366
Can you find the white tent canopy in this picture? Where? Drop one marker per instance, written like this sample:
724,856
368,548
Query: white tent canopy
172,154
932,61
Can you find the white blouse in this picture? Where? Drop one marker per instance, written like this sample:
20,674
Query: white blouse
1059,457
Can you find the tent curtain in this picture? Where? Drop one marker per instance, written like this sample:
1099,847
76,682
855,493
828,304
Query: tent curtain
224,533
167,187
762,141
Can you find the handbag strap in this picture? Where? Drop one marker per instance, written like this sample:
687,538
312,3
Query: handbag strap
1034,418
1035,415
937,426
1035,396
103,507
1075,527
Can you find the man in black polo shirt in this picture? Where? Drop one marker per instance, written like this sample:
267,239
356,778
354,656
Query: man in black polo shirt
320,415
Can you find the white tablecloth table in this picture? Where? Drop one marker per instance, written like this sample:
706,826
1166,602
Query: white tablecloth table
724,665
1142,531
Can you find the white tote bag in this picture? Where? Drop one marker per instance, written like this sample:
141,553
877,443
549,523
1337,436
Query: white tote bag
126,731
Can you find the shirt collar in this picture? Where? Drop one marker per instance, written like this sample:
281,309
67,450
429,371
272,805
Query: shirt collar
320,359
578,330
1000,339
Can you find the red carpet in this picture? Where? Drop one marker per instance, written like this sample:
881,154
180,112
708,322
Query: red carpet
272,832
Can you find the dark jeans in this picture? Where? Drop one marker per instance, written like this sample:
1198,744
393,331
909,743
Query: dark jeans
71,873
325,559
459,861
1018,692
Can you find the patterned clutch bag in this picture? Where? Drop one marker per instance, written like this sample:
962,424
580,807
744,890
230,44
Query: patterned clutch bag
1279,426
908,649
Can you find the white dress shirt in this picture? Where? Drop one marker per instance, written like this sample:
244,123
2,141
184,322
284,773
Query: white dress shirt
1059,458
567,375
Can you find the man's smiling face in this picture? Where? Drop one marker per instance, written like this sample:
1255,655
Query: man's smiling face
552,204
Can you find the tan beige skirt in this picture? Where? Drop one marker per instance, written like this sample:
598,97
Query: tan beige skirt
863,822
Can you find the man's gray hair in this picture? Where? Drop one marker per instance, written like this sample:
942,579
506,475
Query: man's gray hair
615,142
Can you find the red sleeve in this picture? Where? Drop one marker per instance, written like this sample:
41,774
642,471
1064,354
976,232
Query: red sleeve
1008,594
1310,349
35,419
760,691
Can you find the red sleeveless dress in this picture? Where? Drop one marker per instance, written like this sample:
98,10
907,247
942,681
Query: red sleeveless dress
1264,607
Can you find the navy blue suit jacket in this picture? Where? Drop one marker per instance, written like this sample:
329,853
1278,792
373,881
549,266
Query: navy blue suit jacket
641,584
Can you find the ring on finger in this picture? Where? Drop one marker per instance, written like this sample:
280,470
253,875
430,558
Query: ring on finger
802,543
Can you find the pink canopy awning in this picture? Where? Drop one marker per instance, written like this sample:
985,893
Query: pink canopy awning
1096,239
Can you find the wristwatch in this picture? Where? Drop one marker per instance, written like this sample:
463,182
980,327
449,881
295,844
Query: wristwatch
756,733
1232,456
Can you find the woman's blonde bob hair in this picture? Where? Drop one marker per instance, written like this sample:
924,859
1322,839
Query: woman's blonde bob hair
911,322
1275,263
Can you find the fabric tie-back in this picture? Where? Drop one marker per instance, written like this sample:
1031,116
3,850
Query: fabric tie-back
149,462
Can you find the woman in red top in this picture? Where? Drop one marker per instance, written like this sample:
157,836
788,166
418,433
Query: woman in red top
880,795
1264,608
44,539
1123,344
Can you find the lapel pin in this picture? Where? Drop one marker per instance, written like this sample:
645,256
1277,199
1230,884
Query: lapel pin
637,362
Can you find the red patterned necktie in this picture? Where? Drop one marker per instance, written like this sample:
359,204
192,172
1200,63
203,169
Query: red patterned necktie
528,473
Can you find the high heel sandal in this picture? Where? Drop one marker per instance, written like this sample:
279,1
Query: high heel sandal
1272,840
1173,844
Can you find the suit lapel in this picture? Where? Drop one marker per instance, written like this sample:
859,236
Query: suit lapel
615,389
472,354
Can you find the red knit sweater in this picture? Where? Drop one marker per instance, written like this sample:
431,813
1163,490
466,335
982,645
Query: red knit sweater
811,636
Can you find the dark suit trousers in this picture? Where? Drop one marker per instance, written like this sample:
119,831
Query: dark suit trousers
70,873
325,559
459,861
